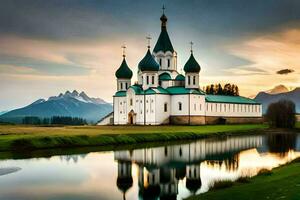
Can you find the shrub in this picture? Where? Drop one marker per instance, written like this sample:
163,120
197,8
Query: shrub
281,114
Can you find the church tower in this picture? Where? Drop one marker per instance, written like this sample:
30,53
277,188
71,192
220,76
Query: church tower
163,50
148,68
123,74
192,70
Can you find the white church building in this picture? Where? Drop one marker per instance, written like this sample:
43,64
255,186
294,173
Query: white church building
164,96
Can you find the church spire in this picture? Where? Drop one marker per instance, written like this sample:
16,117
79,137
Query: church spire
163,19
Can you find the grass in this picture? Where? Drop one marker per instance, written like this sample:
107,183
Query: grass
17,137
282,183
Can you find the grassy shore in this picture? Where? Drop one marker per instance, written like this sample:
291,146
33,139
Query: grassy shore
282,183
16,137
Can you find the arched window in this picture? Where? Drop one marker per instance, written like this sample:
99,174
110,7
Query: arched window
126,86
165,107
180,106
168,62
147,81
194,80
121,86
160,61
131,102
189,80
152,79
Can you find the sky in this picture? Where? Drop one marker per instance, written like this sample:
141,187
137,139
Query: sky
48,47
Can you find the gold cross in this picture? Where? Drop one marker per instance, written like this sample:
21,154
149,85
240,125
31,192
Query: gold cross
191,43
123,47
163,8
148,38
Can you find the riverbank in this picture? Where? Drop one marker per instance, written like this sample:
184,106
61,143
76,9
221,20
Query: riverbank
281,183
19,138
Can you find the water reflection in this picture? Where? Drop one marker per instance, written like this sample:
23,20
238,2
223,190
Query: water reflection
160,169
165,172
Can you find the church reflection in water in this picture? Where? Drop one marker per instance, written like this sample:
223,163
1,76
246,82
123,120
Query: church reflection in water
161,168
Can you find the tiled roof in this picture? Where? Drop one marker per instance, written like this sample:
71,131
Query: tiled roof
229,99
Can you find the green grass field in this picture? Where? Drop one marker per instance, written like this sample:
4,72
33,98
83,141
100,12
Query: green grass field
17,137
283,183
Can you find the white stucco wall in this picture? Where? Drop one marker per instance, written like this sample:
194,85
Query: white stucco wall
120,110
233,110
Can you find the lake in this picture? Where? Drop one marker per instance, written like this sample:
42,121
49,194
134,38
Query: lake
174,171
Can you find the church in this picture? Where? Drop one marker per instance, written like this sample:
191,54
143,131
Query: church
162,95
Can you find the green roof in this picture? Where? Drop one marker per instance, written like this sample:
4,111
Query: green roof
148,63
165,77
229,99
183,90
124,71
180,77
157,90
137,89
120,94
192,65
163,43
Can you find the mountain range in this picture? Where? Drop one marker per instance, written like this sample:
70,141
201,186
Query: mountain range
278,93
71,104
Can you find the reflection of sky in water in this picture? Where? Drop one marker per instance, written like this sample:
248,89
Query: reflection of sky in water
94,175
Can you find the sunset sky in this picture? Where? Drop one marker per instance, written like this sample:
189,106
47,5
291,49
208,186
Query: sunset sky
48,47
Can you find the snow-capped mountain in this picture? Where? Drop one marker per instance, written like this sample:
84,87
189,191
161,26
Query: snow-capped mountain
72,104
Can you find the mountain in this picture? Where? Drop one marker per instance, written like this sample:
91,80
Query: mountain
278,89
68,104
266,98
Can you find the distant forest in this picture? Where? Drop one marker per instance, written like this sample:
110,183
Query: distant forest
61,120
218,89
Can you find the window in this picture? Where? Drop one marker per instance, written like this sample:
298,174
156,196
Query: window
131,102
121,86
126,85
165,107
194,80
189,80
168,62
160,61
152,79
194,106
166,151
147,80
179,106
180,152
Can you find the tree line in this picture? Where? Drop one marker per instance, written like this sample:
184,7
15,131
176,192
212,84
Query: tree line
218,89
61,120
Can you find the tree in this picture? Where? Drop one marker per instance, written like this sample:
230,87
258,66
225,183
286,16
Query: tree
281,114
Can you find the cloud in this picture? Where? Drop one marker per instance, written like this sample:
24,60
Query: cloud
285,71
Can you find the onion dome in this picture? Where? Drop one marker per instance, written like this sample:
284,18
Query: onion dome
163,43
124,72
192,65
148,63
180,77
165,77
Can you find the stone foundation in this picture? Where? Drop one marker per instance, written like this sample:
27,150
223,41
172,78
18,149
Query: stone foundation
187,120
233,120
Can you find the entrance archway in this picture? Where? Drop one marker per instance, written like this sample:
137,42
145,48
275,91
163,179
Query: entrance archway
131,117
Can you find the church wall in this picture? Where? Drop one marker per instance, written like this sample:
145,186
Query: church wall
150,110
120,110
175,100
162,116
